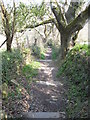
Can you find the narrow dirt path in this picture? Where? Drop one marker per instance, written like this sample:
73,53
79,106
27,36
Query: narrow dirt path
47,92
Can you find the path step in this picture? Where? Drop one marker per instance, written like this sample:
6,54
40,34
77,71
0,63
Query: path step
44,115
44,60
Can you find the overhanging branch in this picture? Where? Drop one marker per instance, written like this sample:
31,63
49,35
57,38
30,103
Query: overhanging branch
42,23
38,24
5,18
78,23
57,18
3,43
61,14
13,22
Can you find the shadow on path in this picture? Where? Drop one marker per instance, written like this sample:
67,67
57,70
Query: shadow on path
47,93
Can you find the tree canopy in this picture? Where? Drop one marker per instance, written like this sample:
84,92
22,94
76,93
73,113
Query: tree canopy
68,22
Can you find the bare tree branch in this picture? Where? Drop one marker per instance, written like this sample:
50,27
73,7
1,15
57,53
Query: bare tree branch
5,19
62,17
13,22
51,20
78,23
57,18
72,9
39,33
3,43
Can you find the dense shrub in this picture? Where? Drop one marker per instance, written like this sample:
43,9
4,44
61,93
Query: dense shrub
38,52
11,63
75,68
17,75
55,52
30,70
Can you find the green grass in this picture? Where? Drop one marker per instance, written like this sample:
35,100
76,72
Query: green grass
75,68
35,64
30,70
42,56
55,52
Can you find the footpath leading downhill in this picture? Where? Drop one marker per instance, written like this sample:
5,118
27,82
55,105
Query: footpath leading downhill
48,92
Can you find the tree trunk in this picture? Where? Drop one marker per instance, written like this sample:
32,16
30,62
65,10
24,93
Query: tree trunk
64,45
9,42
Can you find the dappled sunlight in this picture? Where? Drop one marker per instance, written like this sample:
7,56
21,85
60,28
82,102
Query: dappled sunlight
35,82
47,74
47,91
51,83
54,99
43,67
46,83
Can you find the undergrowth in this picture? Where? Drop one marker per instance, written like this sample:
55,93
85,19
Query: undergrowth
11,62
30,70
17,75
75,68
37,52
55,52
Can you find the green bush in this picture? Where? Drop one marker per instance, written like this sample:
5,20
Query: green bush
55,52
42,56
30,70
10,65
17,76
75,68
38,52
